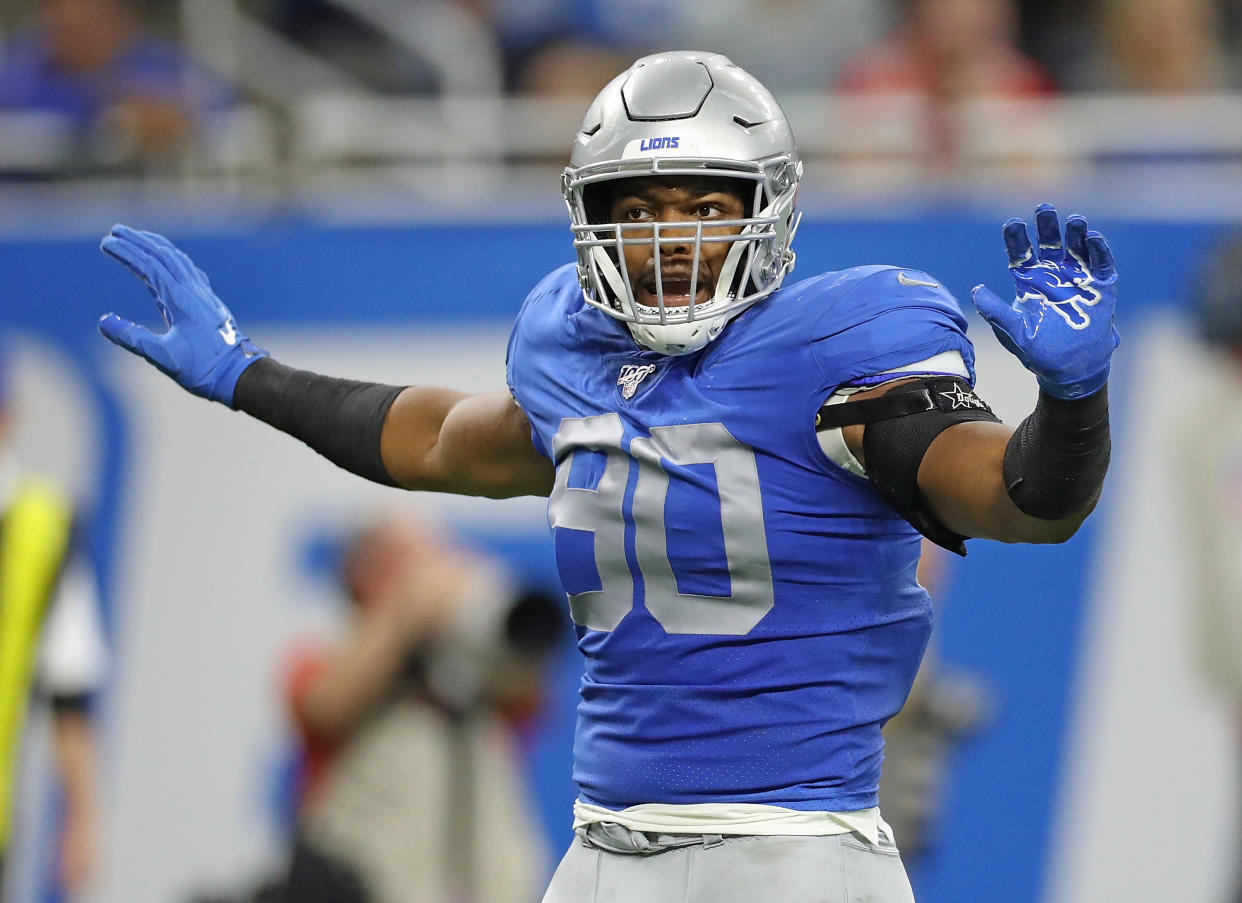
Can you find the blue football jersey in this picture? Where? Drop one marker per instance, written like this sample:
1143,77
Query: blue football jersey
747,610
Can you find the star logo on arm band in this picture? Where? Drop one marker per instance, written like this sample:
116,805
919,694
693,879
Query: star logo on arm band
958,399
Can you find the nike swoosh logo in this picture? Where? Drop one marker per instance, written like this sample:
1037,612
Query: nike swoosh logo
906,280
228,332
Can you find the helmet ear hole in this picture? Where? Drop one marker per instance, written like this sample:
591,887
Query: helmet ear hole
597,202
748,199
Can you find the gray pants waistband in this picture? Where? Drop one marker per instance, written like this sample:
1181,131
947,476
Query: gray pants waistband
615,838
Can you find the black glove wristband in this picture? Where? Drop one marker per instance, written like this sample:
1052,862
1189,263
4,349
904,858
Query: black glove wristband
340,418
1056,460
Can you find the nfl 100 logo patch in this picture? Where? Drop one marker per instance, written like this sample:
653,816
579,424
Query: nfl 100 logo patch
632,376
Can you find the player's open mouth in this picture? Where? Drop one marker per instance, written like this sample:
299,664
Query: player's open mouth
676,293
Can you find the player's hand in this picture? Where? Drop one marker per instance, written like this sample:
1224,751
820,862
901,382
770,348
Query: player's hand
203,350
1060,324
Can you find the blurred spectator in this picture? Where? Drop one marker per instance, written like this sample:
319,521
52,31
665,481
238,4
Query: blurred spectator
943,53
1160,46
545,41
131,99
790,45
570,69
1212,480
1231,37
431,47
413,792
1062,36
51,648
332,32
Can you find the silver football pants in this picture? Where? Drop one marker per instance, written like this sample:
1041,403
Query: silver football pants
611,864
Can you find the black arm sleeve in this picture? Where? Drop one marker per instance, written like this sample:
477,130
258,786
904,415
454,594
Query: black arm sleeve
339,418
1056,460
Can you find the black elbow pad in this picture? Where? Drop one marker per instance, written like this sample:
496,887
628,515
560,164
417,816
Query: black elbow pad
900,426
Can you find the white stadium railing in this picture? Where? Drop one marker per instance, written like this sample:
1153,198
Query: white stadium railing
473,152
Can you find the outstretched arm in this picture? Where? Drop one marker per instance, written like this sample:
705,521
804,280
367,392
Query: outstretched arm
447,441
963,478
415,437
1039,482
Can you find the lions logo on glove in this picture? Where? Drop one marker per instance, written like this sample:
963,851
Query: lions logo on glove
1069,353
1044,282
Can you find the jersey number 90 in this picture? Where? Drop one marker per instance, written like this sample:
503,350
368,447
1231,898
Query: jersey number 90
601,488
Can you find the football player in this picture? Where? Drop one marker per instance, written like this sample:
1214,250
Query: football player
737,471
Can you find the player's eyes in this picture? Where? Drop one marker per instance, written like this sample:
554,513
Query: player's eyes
637,214
708,211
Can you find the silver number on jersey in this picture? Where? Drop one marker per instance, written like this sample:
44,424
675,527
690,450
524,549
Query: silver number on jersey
596,511
741,519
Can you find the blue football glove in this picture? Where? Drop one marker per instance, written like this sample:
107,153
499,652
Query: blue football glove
1060,325
203,350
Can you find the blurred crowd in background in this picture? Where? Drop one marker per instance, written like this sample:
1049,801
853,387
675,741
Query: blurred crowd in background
895,89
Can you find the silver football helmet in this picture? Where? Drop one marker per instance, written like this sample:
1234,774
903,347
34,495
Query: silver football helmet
677,114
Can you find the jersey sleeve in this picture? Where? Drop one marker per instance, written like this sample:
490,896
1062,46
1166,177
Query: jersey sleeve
887,321
526,339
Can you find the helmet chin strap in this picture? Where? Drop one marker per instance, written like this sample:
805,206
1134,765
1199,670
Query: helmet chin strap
675,339
728,272
610,278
